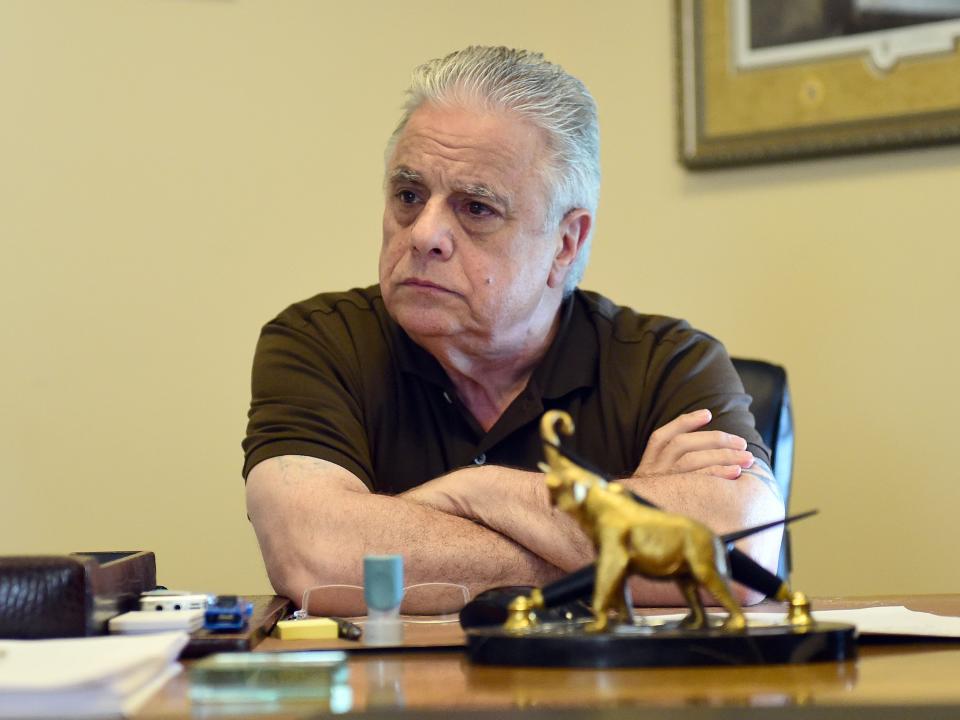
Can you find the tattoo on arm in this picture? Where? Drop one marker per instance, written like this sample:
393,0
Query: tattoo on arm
762,472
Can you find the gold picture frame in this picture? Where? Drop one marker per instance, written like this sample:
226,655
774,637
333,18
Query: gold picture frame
901,88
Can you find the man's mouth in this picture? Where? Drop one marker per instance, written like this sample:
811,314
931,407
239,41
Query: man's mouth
420,284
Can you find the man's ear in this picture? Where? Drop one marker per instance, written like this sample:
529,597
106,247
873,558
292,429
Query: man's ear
574,230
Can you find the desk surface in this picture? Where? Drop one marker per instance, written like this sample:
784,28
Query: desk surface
915,673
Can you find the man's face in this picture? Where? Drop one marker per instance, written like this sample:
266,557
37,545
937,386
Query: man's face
467,250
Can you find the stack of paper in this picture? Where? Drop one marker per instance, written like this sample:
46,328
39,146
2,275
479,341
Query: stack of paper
145,621
85,677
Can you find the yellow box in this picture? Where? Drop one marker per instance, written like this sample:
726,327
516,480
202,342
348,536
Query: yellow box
307,629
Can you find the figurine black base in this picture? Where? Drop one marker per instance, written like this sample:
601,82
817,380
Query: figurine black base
568,645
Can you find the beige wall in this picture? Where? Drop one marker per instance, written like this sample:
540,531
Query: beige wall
174,172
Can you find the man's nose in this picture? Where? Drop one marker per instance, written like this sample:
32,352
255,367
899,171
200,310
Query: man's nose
432,231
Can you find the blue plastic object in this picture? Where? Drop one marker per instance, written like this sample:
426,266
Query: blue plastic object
226,613
383,581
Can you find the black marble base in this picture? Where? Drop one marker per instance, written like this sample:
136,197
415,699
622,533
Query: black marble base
568,645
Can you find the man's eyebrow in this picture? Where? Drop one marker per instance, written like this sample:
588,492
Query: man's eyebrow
405,174
486,192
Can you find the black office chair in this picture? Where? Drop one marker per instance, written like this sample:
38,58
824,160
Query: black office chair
766,383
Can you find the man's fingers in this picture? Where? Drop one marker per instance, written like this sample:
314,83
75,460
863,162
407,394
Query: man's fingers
686,453
705,440
727,472
679,446
686,423
696,461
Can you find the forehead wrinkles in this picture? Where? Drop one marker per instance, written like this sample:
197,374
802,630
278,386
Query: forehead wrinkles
495,169
459,147
475,160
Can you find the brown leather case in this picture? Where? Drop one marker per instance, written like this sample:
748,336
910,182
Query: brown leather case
60,596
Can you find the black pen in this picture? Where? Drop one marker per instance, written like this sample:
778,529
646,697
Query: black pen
347,630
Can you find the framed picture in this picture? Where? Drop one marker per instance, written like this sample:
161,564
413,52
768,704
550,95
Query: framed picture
765,80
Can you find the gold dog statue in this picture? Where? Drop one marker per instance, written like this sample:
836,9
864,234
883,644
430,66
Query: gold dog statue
633,538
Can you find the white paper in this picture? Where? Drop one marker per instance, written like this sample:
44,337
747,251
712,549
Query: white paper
884,620
151,621
84,677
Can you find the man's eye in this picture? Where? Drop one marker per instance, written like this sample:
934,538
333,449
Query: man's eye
407,197
478,209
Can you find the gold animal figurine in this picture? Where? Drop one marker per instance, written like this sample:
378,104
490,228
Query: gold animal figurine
631,537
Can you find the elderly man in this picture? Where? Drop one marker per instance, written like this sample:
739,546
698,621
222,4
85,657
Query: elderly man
403,418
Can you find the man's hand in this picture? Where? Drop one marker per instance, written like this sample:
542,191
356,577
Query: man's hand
680,447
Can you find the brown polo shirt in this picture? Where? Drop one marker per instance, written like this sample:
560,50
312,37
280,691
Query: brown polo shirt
335,378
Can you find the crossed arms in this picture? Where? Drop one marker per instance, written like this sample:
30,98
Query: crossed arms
490,526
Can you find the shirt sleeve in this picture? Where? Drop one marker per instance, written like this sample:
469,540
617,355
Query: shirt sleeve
690,371
305,396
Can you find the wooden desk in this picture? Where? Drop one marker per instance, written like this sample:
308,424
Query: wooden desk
915,673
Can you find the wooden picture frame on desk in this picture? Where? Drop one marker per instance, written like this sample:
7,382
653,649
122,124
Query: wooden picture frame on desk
740,103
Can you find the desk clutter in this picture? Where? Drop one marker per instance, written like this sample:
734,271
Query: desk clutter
85,677
90,634
139,622
96,593
83,594
320,628
64,596
305,663
183,610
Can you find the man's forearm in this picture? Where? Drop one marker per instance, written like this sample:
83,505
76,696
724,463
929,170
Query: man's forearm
515,504
316,533
480,527
724,506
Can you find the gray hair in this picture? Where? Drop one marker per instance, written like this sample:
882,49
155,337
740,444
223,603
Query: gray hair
524,83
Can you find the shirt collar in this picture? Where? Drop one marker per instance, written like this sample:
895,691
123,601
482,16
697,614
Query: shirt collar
571,359
415,360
